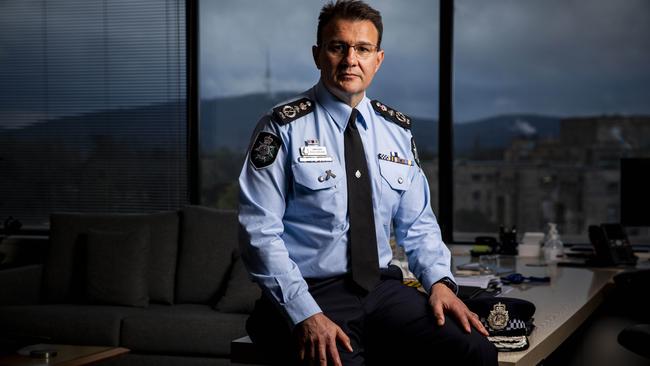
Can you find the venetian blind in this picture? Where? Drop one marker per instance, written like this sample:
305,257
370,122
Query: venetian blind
92,107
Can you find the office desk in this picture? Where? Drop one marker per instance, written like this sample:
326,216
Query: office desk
561,306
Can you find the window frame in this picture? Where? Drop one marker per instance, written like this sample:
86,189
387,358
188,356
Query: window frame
445,123
192,82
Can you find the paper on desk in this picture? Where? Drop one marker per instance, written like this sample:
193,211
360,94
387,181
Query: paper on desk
482,281
505,290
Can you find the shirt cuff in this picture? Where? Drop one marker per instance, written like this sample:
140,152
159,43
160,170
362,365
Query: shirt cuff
301,308
430,277
449,283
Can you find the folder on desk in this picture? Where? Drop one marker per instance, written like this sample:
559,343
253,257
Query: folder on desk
482,281
469,292
470,287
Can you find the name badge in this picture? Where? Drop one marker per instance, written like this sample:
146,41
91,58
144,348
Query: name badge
312,152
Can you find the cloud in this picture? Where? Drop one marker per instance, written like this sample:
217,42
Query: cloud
554,56
84,59
236,43
558,57
524,128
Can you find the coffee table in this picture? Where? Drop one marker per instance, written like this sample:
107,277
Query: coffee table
68,355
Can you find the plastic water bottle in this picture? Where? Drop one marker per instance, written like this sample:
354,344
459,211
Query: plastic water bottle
553,246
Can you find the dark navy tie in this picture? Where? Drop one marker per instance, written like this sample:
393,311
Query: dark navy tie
361,236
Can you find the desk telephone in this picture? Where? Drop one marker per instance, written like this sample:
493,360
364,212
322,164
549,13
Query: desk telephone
611,245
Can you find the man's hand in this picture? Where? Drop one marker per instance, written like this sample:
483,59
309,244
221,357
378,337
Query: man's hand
317,337
443,300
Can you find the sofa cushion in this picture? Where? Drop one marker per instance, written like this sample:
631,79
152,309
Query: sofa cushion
69,324
208,238
131,359
20,285
117,265
182,329
63,272
241,293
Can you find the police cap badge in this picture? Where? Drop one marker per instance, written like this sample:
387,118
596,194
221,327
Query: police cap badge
508,320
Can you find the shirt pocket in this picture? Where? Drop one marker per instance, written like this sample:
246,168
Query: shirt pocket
318,201
317,176
397,176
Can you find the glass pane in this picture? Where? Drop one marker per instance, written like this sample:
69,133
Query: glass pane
549,95
92,107
254,59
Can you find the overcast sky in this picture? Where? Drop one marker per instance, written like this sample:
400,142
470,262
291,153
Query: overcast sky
67,57
554,57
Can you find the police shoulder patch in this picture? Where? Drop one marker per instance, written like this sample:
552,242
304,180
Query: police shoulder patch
392,114
414,149
265,149
290,112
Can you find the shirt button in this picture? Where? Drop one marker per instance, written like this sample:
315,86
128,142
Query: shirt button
400,180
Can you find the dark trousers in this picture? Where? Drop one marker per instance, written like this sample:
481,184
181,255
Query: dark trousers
392,324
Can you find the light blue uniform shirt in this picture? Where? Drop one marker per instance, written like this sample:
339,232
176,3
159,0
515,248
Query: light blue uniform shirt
294,225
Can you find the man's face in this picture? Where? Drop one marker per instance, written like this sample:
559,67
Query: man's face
346,71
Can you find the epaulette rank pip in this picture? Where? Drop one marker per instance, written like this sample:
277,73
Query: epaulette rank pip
391,114
292,111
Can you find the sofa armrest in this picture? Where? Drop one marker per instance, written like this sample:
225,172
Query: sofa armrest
21,285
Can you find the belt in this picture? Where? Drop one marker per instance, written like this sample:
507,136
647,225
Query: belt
392,272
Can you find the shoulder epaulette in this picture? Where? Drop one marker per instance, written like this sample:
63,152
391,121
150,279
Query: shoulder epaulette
391,114
291,111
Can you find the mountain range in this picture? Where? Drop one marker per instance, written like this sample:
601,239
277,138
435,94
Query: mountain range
227,123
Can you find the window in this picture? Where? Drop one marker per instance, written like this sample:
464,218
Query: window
92,107
256,54
549,96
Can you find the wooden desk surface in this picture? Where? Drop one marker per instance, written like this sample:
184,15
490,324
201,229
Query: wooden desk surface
68,355
561,306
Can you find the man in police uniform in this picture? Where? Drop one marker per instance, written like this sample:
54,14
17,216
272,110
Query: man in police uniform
327,175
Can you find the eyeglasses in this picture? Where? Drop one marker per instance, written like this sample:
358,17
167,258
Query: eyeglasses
340,49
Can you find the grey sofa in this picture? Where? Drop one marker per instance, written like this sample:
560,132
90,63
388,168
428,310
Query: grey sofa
181,305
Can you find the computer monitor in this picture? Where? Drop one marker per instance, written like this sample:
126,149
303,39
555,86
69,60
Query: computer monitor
635,192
